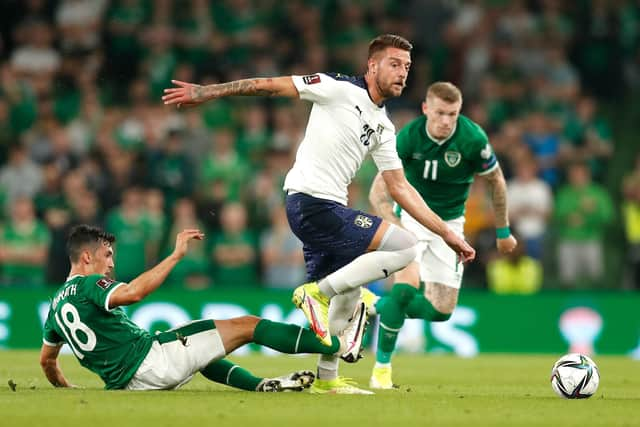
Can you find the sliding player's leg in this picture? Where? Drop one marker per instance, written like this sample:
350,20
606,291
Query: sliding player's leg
226,372
177,354
284,337
278,336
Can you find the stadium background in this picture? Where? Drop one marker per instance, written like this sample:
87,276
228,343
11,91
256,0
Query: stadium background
84,138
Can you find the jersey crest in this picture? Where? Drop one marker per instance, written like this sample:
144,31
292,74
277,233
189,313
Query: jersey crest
452,158
363,221
105,282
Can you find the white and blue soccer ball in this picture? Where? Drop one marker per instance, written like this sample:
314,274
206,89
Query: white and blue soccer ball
575,376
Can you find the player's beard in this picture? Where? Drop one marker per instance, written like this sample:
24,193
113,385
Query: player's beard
387,91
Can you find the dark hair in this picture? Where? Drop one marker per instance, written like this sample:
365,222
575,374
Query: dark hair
384,41
86,235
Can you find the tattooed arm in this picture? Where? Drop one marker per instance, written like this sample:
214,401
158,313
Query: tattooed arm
498,188
189,94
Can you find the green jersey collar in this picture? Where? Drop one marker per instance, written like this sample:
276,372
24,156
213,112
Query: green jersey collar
439,141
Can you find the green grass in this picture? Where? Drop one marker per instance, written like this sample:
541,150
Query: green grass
496,390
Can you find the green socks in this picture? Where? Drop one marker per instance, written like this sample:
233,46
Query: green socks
403,301
392,311
292,339
226,372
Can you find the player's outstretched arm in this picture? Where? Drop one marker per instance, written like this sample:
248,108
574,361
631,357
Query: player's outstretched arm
50,366
190,94
411,201
498,187
150,280
381,200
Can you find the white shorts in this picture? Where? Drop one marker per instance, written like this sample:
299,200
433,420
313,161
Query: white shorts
173,363
438,262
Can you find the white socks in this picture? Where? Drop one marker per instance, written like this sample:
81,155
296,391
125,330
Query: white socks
341,309
366,268
397,249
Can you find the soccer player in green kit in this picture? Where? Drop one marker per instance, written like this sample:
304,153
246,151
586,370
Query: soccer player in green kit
86,314
441,152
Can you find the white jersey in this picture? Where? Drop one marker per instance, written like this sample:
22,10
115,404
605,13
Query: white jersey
344,126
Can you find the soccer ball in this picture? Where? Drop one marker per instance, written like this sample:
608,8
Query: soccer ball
575,376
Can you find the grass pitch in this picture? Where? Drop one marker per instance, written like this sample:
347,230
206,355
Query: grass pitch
495,390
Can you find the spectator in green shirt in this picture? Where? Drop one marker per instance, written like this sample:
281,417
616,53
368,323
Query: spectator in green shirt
158,223
191,270
223,163
24,247
128,223
233,254
588,136
171,169
583,211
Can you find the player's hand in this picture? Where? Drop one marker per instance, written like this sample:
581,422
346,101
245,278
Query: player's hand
464,250
183,238
506,245
185,95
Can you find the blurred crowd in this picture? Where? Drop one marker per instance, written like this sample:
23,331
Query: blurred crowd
84,137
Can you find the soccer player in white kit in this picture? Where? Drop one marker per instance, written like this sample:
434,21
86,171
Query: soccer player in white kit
343,248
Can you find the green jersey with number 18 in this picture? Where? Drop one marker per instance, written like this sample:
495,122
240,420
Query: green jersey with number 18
442,171
104,340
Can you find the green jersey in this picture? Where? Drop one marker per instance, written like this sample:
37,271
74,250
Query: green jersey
104,340
442,171
20,239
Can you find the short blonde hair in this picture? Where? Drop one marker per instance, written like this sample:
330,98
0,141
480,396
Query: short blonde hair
446,91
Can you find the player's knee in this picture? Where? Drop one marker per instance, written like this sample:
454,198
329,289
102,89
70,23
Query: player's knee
251,320
432,311
246,324
408,255
443,309
409,239
397,239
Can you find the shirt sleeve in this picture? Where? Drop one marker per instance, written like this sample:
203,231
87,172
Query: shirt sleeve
403,143
385,155
319,88
49,335
483,157
99,290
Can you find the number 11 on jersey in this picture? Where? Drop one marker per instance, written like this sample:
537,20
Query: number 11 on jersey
433,166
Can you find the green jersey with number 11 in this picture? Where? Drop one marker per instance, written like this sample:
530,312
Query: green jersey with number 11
104,340
442,171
